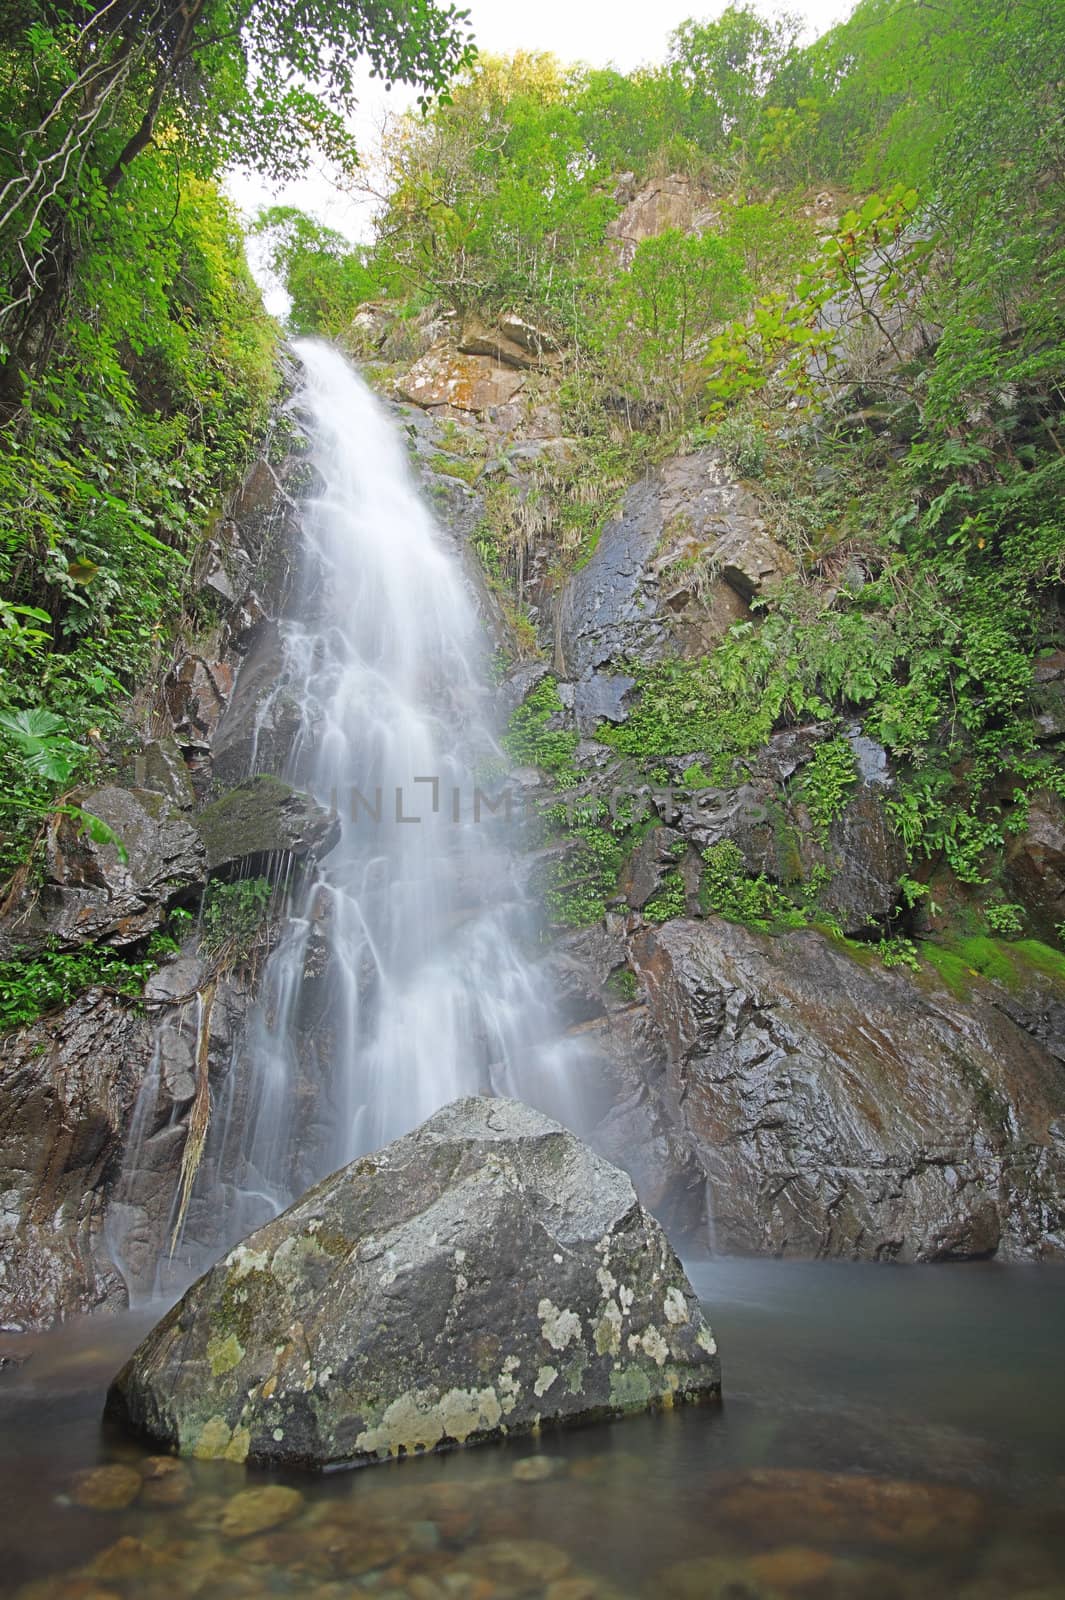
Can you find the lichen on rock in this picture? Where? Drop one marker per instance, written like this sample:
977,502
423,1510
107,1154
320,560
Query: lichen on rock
467,1303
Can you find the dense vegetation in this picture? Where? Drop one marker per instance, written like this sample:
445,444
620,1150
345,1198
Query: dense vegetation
136,362
893,386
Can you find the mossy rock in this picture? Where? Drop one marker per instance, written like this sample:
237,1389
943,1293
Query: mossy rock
264,817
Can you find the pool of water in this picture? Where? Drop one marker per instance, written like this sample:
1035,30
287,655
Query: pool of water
885,1433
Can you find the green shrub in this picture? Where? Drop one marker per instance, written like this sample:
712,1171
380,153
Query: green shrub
1006,919
528,739
826,782
670,900
32,987
233,914
730,890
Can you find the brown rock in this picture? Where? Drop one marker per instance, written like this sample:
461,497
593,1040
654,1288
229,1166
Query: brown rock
130,1558
669,202
106,1488
166,1481
583,1587
64,1587
467,382
836,1507
523,333
68,1085
536,1469
512,342
355,1548
197,692
255,1510
793,1567
295,1550
518,1561
1035,864
421,1587
709,1578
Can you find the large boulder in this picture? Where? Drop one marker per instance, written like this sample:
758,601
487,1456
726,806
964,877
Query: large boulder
442,377
511,341
481,1276
669,202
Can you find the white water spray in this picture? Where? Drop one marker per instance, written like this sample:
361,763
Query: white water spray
403,980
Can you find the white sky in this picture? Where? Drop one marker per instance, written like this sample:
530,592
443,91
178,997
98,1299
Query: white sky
626,34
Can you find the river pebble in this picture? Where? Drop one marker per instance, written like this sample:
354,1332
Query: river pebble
64,1587
129,1558
166,1481
106,1488
794,1567
534,1469
583,1587
255,1510
517,1561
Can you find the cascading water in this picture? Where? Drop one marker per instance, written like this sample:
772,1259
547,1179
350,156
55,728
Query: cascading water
402,980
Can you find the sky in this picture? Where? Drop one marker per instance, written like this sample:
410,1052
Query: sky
625,34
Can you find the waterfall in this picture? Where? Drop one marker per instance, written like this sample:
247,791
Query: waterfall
402,979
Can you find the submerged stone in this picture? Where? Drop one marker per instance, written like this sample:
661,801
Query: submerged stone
255,1510
109,1488
483,1275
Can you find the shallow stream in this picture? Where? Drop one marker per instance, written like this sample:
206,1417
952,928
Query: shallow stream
886,1432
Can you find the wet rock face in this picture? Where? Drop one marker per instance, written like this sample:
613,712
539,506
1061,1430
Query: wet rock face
261,720
863,855
839,1108
67,1090
90,892
196,692
482,1275
69,1083
669,576
140,1196
1035,865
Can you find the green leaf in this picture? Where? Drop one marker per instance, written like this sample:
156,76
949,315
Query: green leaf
31,727
99,831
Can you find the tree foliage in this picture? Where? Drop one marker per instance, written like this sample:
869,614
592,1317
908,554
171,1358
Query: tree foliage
90,86
136,362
